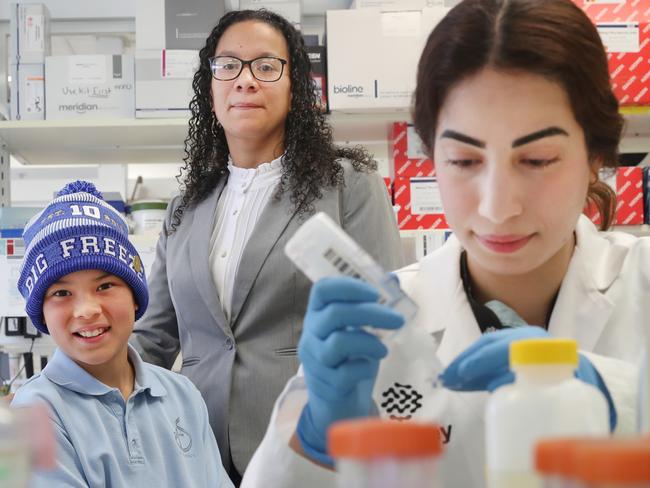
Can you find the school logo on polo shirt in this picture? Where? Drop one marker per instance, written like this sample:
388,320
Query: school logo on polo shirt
182,437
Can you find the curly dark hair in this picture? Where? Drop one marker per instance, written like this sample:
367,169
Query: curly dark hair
311,160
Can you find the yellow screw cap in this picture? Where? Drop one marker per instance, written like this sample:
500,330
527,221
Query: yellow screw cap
544,351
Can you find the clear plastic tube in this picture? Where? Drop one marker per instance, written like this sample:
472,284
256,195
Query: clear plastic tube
321,249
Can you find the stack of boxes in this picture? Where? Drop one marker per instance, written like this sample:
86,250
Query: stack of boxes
415,188
169,35
30,44
627,182
624,27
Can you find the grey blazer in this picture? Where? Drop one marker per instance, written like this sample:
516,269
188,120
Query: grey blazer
240,366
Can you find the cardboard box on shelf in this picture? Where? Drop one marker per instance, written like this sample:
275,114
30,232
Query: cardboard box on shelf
627,182
624,27
29,27
372,56
419,205
89,86
27,91
408,156
172,24
163,82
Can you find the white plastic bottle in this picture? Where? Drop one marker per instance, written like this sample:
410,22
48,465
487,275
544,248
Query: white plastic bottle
546,400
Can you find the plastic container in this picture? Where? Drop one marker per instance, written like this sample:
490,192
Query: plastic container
321,249
613,463
148,215
555,460
375,453
545,400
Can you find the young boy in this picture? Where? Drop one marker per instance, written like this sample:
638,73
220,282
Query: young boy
119,422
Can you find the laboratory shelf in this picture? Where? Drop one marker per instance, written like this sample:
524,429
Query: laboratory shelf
93,141
146,140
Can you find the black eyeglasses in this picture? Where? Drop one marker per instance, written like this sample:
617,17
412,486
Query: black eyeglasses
266,68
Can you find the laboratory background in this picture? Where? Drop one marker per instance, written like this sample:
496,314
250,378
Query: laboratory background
99,91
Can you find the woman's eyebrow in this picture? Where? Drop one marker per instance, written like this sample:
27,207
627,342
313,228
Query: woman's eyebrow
452,134
540,134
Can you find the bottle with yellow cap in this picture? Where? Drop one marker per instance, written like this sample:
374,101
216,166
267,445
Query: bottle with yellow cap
545,400
375,453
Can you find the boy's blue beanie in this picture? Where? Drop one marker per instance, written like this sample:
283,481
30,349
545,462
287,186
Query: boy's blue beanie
77,230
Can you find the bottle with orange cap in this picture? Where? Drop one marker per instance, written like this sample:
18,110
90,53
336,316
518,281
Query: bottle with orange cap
376,453
612,463
555,460
545,400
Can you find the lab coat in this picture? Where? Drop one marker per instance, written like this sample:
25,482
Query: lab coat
603,303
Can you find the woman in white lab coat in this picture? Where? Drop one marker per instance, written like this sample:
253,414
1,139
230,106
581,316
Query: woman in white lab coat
513,103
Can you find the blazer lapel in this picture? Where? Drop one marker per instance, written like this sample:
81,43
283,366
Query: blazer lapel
199,256
271,225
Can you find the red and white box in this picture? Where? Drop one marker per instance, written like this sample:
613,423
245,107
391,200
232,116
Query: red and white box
624,27
628,185
419,204
409,158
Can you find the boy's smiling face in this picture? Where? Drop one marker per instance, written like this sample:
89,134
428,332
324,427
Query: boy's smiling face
90,316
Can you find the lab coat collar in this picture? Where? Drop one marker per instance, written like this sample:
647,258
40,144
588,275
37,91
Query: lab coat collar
583,309
66,373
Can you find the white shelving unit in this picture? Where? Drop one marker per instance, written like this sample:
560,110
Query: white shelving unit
125,141
146,140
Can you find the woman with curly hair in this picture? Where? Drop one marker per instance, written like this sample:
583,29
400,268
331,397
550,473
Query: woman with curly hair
259,160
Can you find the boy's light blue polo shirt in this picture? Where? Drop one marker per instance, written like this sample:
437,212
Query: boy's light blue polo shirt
160,437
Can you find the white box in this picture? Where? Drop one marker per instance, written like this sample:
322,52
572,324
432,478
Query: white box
391,5
29,32
163,82
175,24
372,56
27,91
289,9
96,86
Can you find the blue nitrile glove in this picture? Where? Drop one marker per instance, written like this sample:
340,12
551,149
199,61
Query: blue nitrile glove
340,360
485,365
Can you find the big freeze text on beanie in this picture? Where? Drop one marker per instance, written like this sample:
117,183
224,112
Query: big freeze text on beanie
77,230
